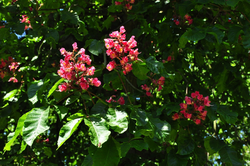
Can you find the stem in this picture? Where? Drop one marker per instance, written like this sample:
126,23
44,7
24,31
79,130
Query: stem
97,97
91,98
124,88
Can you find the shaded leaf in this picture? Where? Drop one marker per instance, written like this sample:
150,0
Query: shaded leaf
32,90
139,145
18,130
229,156
96,47
61,111
140,71
107,155
228,115
140,117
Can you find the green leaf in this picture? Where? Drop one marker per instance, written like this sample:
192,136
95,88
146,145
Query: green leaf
232,3
139,145
213,145
23,147
75,116
152,145
4,33
199,58
161,128
61,111
35,124
72,99
140,71
222,81
54,87
10,95
107,155
67,130
228,115
96,47
195,34
175,159
117,120
229,156
18,130
125,148
52,33
217,34
88,161
140,117
211,112
47,151
98,130
33,89
183,41
185,143
233,33
73,18
99,109
19,28
156,67
246,41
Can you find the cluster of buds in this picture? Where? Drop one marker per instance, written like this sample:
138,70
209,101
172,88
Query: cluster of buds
194,108
127,3
118,48
73,69
187,20
121,100
26,21
9,67
156,83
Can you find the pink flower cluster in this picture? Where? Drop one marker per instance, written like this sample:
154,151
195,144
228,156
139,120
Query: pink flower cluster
121,100
170,58
194,108
25,20
117,48
160,82
73,69
9,67
127,3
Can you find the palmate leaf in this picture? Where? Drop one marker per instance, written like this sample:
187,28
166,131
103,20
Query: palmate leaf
99,132
18,130
67,130
35,124
213,145
117,120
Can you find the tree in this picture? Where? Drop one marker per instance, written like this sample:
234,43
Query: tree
146,82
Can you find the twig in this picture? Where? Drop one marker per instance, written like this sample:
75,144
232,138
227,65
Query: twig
124,88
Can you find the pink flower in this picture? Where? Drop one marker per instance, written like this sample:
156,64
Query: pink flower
169,58
124,60
197,121
63,87
84,84
161,81
109,43
121,101
111,65
188,100
176,116
122,30
118,3
96,82
63,51
183,106
128,68
206,101
13,79
47,140
148,94
13,66
74,45
90,71
159,88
